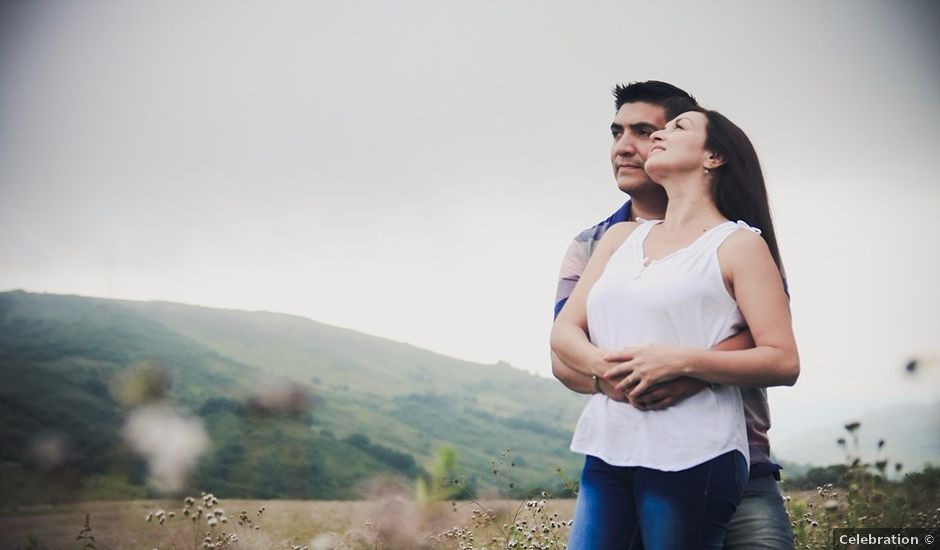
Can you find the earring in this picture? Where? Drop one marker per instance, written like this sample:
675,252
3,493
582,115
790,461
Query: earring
706,170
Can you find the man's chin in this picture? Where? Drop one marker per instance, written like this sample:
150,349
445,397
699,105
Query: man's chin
631,186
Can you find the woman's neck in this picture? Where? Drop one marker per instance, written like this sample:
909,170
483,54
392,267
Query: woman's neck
690,203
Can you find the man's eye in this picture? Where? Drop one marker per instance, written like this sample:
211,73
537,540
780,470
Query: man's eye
645,133
616,134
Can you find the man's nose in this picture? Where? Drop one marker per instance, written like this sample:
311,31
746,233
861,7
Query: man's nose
625,146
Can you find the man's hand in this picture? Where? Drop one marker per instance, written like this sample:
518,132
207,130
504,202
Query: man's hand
667,394
608,389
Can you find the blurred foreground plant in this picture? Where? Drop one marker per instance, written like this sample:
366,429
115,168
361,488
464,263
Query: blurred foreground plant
86,536
440,483
869,498
529,526
245,529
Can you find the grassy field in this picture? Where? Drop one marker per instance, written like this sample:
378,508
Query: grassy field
393,520
389,521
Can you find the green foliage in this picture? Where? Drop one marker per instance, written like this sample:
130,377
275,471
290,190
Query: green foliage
32,542
819,476
400,462
927,481
39,402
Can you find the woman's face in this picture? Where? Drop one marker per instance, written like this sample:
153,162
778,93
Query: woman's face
680,146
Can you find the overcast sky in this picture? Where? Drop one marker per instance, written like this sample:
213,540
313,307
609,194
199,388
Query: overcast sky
415,170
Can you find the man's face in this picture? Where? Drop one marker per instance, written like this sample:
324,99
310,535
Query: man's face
632,127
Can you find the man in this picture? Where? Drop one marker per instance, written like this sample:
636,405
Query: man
643,108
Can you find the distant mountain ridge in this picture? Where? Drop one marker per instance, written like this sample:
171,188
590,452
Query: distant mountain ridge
911,433
380,407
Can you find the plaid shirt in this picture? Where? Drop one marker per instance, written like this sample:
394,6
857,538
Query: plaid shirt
756,408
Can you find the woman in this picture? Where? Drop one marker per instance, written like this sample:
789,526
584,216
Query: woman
661,294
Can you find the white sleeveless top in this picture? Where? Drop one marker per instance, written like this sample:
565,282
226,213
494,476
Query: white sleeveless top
679,300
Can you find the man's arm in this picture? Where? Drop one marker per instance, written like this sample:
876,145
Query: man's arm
569,337
572,379
573,264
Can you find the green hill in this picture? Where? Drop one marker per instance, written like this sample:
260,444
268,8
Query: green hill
378,407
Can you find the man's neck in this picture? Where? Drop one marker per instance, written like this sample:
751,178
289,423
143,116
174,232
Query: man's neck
648,207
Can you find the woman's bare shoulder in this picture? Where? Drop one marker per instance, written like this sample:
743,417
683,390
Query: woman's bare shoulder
743,246
619,232
744,240
615,236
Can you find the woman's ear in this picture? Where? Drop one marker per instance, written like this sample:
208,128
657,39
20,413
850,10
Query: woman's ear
713,160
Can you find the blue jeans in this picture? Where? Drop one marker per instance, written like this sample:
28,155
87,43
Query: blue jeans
636,508
760,522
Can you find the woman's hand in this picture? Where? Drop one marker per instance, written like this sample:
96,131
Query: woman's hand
644,367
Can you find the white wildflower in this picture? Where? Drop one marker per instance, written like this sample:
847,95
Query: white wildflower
170,442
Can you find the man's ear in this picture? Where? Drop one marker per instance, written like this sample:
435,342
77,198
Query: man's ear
713,160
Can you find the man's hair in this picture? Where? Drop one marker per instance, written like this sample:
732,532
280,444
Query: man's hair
673,100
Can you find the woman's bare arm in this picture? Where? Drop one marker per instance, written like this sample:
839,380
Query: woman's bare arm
569,338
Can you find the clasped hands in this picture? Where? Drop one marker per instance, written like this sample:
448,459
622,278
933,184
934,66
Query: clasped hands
648,377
